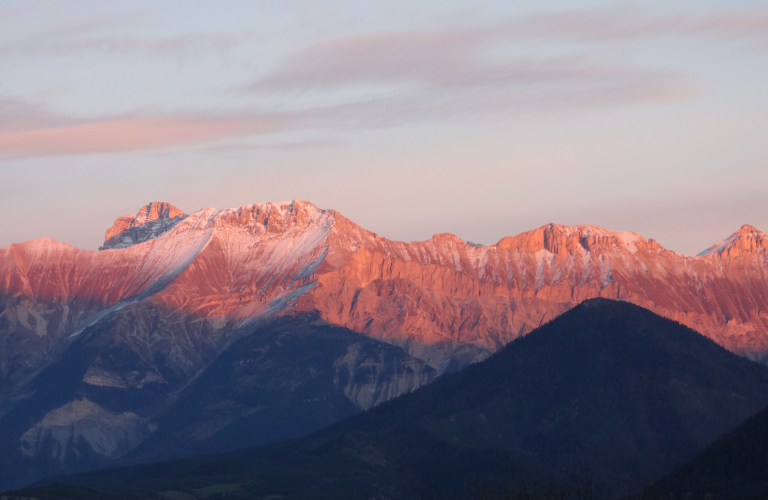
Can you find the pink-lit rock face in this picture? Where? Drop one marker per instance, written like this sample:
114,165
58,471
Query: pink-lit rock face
151,212
442,299
444,291
152,220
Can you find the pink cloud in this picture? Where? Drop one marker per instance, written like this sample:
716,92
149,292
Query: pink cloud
617,23
431,76
130,134
460,56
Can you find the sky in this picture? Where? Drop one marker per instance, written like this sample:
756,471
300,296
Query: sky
483,119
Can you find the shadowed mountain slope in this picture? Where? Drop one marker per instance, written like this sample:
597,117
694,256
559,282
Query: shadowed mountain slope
125,394
734,467
608,386
56,492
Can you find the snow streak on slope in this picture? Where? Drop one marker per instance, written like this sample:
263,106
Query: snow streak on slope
50,292
259,259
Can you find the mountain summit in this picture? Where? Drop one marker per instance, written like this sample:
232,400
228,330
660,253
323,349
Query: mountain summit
152,220
744,243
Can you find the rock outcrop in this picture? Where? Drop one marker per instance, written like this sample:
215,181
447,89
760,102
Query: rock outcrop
81,423
152,220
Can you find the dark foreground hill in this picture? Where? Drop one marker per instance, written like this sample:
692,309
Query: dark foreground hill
735,467
608,387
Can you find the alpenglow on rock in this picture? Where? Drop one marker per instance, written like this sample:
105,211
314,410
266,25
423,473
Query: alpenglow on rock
152,220
447,301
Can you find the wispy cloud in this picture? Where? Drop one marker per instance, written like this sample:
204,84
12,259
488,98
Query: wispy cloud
623,23
19,115
413,76
185,45
379,58
131,134
434,60
180,46
494,71
95,35
31,129
457,105
465,57
296,145
60,29
390,79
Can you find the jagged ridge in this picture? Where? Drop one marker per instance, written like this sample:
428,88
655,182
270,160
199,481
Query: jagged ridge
437,296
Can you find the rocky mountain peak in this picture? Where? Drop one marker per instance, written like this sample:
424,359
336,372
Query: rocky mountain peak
747,229
157,210
447,236
152,211
560,239
151,220
274,217
748,240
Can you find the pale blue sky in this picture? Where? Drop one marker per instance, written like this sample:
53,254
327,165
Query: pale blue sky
482,118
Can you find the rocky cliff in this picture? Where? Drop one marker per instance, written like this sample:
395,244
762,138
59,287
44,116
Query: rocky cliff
151,221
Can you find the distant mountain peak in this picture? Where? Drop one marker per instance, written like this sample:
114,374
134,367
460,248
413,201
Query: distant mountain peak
559,238
150,221
157,210
747,229
746,241
447,236
270,218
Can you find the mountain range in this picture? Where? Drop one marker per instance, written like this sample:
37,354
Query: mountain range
101,349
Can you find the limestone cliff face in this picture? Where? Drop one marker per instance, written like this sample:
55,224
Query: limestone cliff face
447,292
369,375
148,213
65,431
151,221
